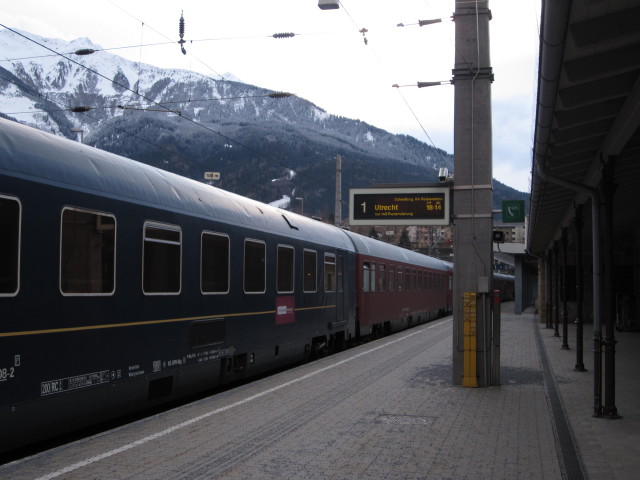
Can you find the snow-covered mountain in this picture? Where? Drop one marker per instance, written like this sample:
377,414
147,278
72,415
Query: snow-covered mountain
35,78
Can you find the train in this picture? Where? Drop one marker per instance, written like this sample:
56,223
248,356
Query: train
505,286
124,286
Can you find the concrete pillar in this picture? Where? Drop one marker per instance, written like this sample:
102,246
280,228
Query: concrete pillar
472,205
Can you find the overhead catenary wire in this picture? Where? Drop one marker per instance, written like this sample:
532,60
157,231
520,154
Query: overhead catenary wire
85,51
424,130
275,95
84,112
24,87
276,35
363,31
124,87
422,23
89,51
140,55
282,36
151,101
86,108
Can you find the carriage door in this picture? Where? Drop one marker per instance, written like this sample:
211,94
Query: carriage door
341,314
334,284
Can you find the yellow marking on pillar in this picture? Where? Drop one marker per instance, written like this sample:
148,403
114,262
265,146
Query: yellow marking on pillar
470,336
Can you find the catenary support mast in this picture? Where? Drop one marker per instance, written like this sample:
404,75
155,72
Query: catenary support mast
472,205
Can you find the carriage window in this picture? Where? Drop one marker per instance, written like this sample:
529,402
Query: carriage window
366,276
329,272
373,277
400,279
161,259
255,266
9,246
382,278
340,273
407,279
285,269
309,268
87,252
392,278
214,263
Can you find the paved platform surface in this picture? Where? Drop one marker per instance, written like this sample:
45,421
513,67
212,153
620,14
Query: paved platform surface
385,410
609,449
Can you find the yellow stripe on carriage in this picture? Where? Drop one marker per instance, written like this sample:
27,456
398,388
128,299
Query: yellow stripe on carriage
148,322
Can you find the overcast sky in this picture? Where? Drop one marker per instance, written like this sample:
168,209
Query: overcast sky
329,62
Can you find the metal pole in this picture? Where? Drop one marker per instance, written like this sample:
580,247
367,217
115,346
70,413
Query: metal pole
81,132
565,313
609,188
579,222
556,290
549,289
338,206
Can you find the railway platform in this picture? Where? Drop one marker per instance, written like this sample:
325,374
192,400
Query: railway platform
384,410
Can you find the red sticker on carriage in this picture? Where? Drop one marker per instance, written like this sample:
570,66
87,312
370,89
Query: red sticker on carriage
285,310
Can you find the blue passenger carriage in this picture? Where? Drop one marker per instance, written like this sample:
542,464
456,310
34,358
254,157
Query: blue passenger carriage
123,286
